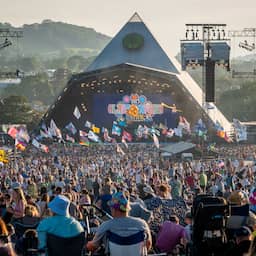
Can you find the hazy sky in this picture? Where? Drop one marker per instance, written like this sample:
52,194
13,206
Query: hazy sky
165,18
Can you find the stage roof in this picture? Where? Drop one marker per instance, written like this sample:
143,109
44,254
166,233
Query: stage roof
135,44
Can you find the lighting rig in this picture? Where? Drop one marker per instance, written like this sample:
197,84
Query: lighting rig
245,33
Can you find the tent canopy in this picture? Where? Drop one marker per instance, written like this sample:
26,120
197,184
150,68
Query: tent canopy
177,148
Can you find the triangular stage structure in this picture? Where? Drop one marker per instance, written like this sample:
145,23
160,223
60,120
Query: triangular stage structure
134,44
134,81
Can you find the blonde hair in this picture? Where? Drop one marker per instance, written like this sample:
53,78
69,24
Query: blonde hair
3,228
31,211
21,195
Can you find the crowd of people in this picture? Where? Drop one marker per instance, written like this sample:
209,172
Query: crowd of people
139,191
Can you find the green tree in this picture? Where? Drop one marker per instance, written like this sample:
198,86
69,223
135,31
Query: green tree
16,110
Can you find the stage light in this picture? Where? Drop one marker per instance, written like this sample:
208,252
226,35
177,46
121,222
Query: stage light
213,33
193,34
197,31
187,31
223,32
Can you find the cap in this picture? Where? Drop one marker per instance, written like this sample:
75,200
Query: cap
119,202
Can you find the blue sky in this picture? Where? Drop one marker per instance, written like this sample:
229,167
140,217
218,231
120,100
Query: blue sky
165,18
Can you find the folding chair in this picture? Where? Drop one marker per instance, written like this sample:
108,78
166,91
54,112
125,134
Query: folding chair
133,245
62,246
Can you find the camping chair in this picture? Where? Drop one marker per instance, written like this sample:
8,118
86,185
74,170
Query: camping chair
238,216
65,246
21,227
133,245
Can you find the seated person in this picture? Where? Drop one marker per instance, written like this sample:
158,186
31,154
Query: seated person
243,242
60,224
170,235
236,221
121,224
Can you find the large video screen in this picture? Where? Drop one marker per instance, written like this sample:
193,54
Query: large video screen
134,109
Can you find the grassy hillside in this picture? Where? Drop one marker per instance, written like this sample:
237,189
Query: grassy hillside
51,39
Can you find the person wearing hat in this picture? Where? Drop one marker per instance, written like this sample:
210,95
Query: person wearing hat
60,224
122,224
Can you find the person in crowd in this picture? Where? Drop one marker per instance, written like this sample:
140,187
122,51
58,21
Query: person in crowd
17,208
43,205
122,224
243,238
137,209
60,224
188,227
4,234
105,196
5,241
176,186
170,235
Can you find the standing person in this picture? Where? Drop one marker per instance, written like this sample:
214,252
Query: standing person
121,224
60,224
17,208
176,186
203,181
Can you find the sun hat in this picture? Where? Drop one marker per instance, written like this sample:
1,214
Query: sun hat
119,202
60,205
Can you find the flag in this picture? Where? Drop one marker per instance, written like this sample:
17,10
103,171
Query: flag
227,138
185,124
153,130
145,131
218,126
124,142
83,134
40,146
77,113
211,147
240,130
95,129
20,145
139,131
54,130
88,124
92,136
23,135
119,150
178,131
127,136
71,128
156,141
106,136
221,134
13,132
116,130
84,141
44,134
70,139
121,122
